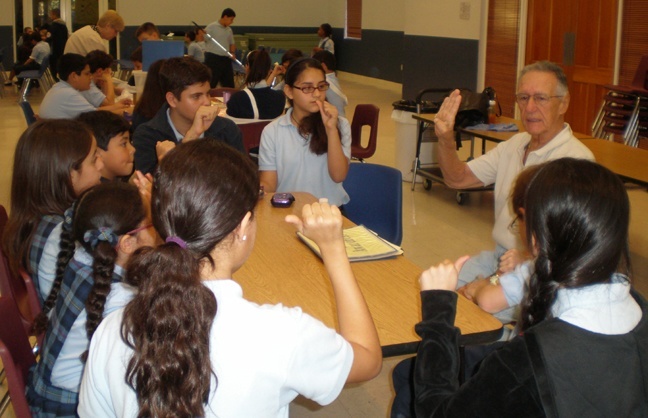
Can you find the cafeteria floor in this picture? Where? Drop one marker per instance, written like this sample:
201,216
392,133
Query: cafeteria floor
435,227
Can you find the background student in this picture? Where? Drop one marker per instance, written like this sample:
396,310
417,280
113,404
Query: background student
275,79
257,100
54,162
112,133
40,51
227,356
218,61
309,148
186,115
147,31
325,32
196,44
152,98
334,94
109,225
65,99
580,298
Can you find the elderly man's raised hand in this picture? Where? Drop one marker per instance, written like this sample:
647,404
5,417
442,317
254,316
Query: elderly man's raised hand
445,118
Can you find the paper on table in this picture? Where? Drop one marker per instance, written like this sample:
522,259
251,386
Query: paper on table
361,245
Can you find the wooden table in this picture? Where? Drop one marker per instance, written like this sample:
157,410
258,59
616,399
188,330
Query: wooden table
629,163
282,269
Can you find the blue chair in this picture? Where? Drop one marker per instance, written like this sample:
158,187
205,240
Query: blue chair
376,193
43,75
30,117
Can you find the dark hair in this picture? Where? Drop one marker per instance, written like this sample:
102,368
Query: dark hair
153,95
577,215
179,73
328,30
71,63
34,37
259,66
228,12
105,125
136,55
99,60
520,187
56,12
312,124
202,191
146,27
191,35
114,205
291,55
325,57
41,185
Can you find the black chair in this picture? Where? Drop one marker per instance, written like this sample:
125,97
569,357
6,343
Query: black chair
30,116
376,193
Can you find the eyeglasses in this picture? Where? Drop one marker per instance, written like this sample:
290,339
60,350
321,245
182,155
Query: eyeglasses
136,230
514,227
539,99
309,89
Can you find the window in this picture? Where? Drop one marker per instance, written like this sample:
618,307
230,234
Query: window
354,19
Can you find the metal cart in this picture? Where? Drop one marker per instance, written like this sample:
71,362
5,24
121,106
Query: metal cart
432,172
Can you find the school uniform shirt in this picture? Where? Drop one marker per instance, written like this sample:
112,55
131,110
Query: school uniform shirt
40,52
43,254
263,356
268,103
197,50
53,383
298,169
335,96
327,44
63,101
94,95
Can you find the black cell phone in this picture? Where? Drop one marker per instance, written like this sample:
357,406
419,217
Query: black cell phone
282,200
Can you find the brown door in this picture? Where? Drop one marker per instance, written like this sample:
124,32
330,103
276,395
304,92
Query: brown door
501,51
579,35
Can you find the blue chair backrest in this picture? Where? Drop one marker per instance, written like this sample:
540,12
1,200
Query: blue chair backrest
376,193
30,117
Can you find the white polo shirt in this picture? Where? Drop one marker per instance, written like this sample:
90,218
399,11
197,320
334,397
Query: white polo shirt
502,164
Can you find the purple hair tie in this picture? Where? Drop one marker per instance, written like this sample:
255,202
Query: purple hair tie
177,240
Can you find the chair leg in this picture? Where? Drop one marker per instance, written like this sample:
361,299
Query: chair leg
24,89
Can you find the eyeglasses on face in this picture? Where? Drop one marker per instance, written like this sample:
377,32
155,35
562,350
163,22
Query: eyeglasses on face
309,89
539,99
514,226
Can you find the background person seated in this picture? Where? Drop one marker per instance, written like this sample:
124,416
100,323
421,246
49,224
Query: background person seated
147,32
64,100
39,52
257,100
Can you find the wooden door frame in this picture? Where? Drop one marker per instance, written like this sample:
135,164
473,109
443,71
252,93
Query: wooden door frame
522,35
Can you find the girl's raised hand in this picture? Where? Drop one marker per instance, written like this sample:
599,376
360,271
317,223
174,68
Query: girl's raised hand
329,114
320,222
442,277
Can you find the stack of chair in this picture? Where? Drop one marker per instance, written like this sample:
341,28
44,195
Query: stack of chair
624,113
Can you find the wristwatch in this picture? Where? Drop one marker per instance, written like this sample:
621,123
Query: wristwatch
494,279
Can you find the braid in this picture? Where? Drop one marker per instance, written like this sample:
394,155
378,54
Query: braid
102,268
541,295
168,326
66,252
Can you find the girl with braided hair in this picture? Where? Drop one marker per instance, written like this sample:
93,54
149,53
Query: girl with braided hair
585,330
109,224
189,344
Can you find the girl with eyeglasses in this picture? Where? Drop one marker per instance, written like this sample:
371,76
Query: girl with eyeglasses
309,148
109,224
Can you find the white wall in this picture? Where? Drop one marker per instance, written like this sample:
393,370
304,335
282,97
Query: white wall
414,17
441,18
6,13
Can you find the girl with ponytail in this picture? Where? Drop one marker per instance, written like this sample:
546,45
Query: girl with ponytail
189,344
584,328
109,225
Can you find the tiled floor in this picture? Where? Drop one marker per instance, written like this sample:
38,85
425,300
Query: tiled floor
435,226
